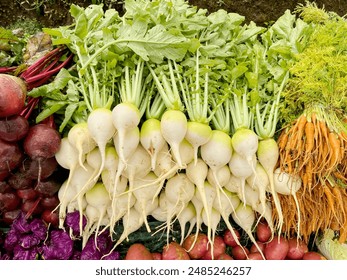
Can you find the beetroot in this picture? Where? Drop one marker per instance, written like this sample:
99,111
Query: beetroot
12,95
20,181
9,201
47,188
13,128
41,142
10,155
39,168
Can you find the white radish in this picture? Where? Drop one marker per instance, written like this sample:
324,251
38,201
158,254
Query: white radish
197,135
288,184
173,126
131,221
146,201
215,218
187,215
242,168
101,129
268,155
152,139
244,216
245,143
119,207
146,208
65,194
210,196
225,206
82,181
221,178
99,198
259,181
79,137
197,174
125,117
108,175
179,190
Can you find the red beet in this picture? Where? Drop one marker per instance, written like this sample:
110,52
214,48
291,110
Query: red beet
10,155
13,128
41,142
9,201
12,95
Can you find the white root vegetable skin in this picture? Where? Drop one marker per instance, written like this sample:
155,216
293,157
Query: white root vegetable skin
197,135
245,143
222,176
268,155
244,216
173,127
80,138
287,184
187,215
101,129
125,117
242,168
152,139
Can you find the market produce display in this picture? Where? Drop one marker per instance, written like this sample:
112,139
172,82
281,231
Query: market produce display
207,136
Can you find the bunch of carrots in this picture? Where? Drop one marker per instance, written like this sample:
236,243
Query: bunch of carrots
313,138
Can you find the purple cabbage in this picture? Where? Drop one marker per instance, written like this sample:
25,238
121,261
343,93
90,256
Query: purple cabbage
100,248
72,221
20,253
59,247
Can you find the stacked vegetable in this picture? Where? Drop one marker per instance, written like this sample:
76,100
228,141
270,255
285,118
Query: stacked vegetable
313,137
170,113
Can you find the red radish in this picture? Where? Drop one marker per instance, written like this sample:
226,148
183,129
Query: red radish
138,251
13,128
255,249
50,202
215,250
239,252
263,232
224,256
156,256
313,256
13,93
10,155
41,142
229,239
26,194
297,249
196,246
277,248
255,256
9,216
50,217
174,251
9,201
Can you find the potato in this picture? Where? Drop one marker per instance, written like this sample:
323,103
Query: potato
174,251
138,251
197,250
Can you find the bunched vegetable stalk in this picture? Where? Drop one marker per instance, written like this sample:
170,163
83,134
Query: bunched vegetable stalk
313,139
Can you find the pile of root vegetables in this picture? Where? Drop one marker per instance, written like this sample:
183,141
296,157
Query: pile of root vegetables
173,114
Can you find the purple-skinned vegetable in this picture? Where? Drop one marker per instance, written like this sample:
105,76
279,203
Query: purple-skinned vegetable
99,248
20,253
72,221
59,247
